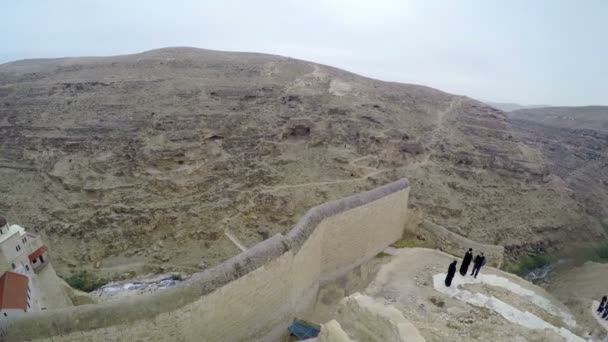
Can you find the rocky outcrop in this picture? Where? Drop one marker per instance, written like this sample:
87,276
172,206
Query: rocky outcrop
411,147
332,332
365,319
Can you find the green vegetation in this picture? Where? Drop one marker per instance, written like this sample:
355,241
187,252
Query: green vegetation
410,240
382,255
84,281
582,253
528,263
576,254
599,253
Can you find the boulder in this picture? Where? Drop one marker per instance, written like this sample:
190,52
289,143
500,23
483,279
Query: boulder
411,147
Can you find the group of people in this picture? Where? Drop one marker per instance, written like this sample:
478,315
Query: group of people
602,310
479,261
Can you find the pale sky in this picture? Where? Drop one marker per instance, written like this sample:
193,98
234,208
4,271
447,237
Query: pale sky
525,51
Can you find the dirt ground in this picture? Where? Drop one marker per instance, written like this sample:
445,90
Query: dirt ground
406,283
577,287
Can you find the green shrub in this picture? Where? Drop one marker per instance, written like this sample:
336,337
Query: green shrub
595,252
84,281
382,255
601,253
527,263
410,240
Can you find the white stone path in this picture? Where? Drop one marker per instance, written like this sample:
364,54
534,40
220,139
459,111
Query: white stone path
510,313
234,240
598,317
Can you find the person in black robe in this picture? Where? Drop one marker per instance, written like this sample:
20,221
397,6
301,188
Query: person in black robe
451,273
605,313
466,261
480,260
602,304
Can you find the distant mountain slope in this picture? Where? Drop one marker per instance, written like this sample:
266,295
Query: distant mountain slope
575,143
509,107
144,160
589,117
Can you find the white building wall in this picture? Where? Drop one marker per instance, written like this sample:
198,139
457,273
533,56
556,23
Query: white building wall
11,237
10,314
34,293
12,243
15,246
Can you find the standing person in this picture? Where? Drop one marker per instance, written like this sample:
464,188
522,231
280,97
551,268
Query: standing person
602,304
466,261
451,273
480,260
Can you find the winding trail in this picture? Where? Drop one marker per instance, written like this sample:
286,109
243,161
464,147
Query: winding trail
234,240
353,163
370,171
455,102
270,189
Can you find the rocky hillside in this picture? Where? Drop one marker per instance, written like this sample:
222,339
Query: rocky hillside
509,107
149,159
589,117
574,141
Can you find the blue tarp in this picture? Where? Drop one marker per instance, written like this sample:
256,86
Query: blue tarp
303,331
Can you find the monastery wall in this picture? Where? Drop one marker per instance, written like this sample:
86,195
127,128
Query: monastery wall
252,296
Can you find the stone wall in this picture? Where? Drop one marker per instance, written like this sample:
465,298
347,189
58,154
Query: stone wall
365,319
252,296
457,245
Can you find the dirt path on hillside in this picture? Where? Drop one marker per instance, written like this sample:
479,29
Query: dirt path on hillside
369,171
439,131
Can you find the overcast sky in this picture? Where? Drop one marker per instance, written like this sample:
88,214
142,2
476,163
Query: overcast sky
526,51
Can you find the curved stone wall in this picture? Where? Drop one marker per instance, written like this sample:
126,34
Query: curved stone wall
457,245
252,296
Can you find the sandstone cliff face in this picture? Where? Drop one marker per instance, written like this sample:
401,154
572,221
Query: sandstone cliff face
574,141
147,159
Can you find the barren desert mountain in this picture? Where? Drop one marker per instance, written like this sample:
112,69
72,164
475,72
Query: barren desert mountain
509,107
161,159
587,117
574,141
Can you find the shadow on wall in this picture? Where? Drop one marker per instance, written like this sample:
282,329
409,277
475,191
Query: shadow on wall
253,295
